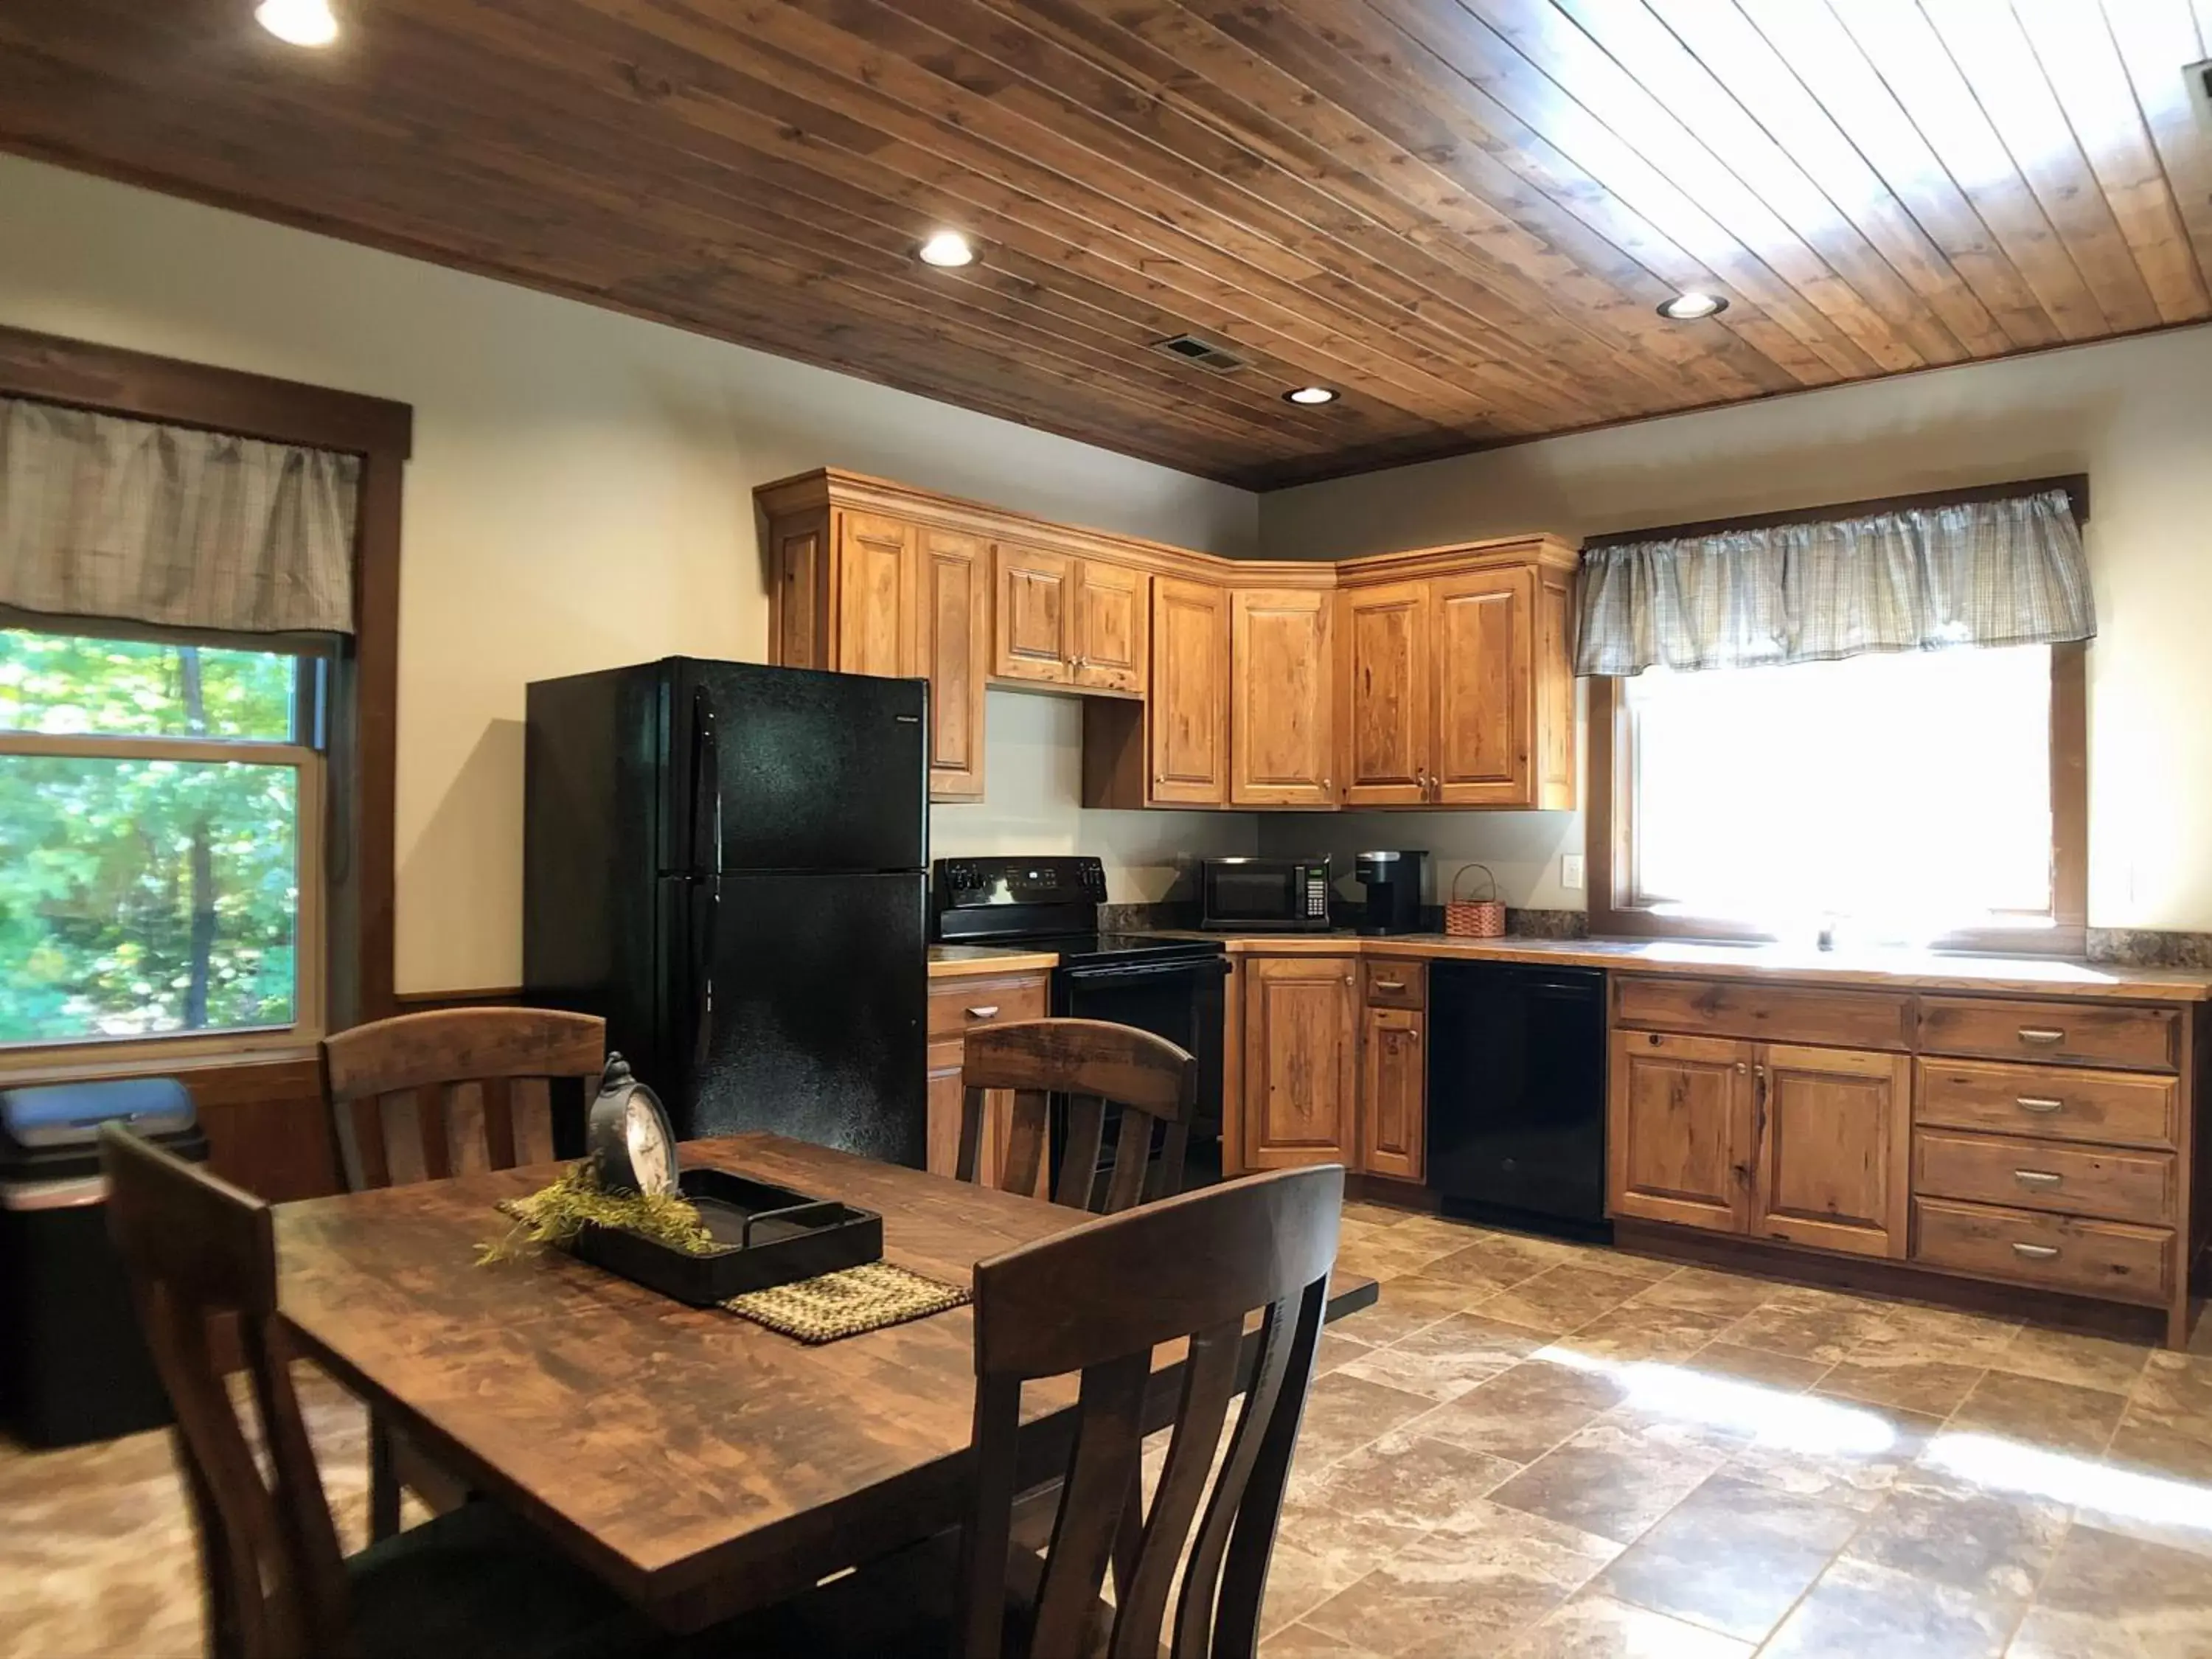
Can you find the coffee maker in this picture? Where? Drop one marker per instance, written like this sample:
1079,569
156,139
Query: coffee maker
1393,881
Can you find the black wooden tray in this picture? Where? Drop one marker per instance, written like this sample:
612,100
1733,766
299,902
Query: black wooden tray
765,1236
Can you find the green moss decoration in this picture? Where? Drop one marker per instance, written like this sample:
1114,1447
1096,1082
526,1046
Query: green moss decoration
556,1214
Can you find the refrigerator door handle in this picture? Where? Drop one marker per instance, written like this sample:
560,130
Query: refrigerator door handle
706,787
707,898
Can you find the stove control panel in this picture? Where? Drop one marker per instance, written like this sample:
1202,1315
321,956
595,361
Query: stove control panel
966,884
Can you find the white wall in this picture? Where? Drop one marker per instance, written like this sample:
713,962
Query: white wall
2135,415
581,496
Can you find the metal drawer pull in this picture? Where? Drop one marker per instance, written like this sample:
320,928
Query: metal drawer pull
2039,1103
1390,984
2043,1033
2040,1178
988,1011
2035,1252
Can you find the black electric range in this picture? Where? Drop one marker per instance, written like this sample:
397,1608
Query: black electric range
1171,986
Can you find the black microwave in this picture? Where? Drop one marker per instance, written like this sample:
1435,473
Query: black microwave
1265,896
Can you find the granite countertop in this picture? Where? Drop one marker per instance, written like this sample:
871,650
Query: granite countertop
1894,969
958,961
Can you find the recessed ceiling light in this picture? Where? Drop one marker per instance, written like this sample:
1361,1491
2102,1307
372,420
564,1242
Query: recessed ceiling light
948,249
1311,395
298,22
1688,307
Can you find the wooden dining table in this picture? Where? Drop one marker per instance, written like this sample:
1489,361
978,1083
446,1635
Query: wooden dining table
699,1464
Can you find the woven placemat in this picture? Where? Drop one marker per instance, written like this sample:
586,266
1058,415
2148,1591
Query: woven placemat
848,1302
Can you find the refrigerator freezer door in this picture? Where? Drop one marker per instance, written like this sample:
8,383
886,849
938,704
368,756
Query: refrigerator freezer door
787,769
796,1003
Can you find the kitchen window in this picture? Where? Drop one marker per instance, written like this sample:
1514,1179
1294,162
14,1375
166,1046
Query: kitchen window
1786,743
162,804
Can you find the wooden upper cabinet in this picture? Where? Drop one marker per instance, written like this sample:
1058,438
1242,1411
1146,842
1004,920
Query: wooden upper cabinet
1111,627
1678,1130
1387,710
1036,612
1486,737
1832,1132
874,602
1281,728
1188,719
954,645
1300,1060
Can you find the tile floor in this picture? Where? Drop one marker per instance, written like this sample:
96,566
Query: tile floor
1536,1450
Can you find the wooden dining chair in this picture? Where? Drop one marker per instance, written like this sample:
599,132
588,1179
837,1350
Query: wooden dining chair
473,1582
424,1096
1093,1064
1095,1303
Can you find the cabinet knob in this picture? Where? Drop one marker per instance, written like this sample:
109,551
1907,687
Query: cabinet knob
1741,1068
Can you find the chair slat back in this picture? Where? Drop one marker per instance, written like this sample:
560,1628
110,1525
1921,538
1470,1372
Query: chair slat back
1092,1063
193,1247
1096,1302
424,1096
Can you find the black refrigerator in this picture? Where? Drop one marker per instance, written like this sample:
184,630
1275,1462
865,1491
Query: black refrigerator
727,862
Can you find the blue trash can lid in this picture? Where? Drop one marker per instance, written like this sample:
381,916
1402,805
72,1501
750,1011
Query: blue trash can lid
50,1132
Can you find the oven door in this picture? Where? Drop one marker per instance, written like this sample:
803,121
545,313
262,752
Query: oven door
1181,1001
1267,894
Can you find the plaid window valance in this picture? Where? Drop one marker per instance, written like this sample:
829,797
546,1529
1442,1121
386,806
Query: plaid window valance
2008,572
102,516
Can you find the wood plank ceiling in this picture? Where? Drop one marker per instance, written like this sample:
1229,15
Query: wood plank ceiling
1460,213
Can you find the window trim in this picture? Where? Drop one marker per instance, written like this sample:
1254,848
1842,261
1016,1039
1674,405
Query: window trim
360,770
1610,832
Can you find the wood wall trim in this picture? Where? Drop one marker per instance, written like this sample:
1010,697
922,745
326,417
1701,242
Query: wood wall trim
133,384
490,996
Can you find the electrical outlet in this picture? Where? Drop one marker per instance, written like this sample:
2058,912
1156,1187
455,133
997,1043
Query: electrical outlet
1571,872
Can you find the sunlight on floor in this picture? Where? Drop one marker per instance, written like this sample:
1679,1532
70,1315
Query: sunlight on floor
1792,1422
2010,1466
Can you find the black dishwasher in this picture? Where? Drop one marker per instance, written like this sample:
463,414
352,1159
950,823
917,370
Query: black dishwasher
1517,1093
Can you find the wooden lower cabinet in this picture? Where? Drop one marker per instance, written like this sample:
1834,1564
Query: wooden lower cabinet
1393,1094
957,1006
1679,1130
1833,1165
1300,1069
1807,1146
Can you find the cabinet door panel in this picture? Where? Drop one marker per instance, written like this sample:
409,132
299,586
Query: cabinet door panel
1387,710
1188,711
798,627
1834,1152
1300,1060
1034,614
1679,1130
954,624
1112,627
1393,1094
1483,659
875,597
1282,734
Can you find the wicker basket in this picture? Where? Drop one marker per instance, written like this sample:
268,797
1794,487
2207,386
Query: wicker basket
1475,918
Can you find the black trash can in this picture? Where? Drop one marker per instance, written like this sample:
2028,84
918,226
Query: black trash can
73,1365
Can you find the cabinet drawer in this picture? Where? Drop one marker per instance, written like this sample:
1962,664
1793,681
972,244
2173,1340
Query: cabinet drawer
2053,1033
1397,984
959,1005
1767,1013
2044,1175
2049,1101
2096,1258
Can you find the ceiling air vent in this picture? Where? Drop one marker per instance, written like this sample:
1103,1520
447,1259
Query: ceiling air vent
1206,355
